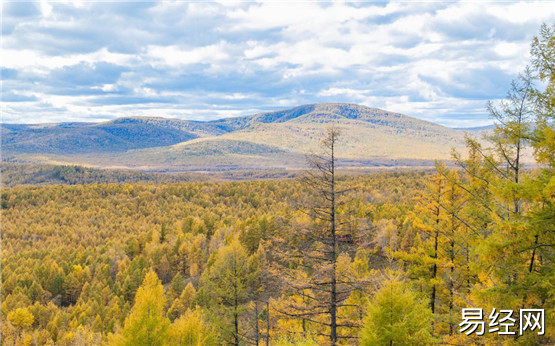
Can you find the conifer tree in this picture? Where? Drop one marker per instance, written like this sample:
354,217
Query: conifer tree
21,318
183,302
192,329
537,244
455,248
438,260
224,287
509,211
397,316
260,289
422,259
146,324
318,291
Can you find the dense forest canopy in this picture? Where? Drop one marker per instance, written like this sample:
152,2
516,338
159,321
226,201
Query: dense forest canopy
74,256
375,259
14,174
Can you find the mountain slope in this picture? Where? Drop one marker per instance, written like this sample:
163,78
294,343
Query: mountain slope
111,136
268,140
367,132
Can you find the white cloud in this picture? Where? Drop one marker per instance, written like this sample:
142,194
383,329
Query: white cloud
28,59
175,56
522,12
437,61
509,49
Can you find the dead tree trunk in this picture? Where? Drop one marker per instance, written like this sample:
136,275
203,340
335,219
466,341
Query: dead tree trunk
323,288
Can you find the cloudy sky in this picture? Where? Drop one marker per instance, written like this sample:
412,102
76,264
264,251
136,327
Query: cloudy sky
85,61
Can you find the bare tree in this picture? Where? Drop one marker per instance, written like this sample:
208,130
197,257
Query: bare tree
316,246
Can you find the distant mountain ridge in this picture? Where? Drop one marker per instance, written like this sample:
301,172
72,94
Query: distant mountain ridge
476,128
277,139
111,136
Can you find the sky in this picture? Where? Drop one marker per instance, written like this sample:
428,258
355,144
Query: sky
95,61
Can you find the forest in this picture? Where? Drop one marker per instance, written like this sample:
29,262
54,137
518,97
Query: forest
325,258
14,174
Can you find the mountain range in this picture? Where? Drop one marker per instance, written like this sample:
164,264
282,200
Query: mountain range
271,140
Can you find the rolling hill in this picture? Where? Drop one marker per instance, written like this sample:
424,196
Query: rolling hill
269,140
111,136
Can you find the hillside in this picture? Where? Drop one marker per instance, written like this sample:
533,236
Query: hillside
111,136
269,140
